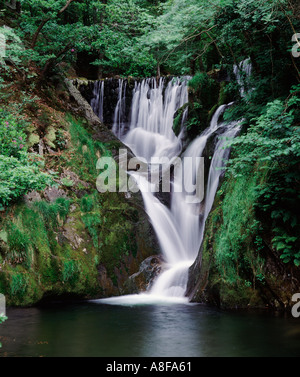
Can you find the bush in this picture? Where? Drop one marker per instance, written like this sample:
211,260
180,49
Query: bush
19,176
12,135
272,144
20,172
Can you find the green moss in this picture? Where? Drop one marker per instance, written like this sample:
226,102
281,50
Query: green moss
87,151
235,296
222,94
92,221
18,243
87,203
33,140
70,271
51,136
18,285
232,264
239,226
178,119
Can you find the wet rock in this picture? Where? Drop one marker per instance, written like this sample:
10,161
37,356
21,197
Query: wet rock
72,237
81,106
32,196
105,283
53,193
142,281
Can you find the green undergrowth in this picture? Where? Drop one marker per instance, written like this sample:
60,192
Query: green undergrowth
237,251
49,249
36,258
111,223
108,218
86,150
233,246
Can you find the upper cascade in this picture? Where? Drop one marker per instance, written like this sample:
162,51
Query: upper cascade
149,132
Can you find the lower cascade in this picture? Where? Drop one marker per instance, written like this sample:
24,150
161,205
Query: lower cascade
180,225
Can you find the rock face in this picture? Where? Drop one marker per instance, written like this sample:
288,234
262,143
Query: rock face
141,281
273,287
145,238
80,106
111,94
275,292
53,193
106,284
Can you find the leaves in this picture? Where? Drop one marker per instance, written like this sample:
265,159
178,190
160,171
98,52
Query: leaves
19,170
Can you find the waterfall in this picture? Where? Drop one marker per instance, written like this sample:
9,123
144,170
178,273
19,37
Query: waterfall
180,226
119,123
188,220
152,112
243,71
98,99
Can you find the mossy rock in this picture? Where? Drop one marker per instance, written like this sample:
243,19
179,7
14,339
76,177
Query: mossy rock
33,140
3,236
177,124
51,136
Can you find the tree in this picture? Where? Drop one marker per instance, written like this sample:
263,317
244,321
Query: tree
48,18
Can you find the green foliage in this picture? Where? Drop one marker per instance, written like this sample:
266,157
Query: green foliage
239,230
70,270
2,319
19,284
18,243
20,172
12,135
52,212
14,48
272,143
180,37
287,246
92,221
87,203
60,140
67,182
63,207
118,34
19,176
87,150
33,229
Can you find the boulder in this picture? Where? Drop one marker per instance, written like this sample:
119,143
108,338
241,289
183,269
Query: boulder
142,281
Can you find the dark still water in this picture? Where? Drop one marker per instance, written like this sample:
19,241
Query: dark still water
92,329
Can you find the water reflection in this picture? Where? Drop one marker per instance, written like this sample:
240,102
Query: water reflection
146,330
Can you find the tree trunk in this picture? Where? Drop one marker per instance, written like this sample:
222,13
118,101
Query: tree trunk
158,72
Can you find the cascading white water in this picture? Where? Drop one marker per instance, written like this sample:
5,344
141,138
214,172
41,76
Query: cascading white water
243,71
119,124
179,228
189,219
152,112
98,99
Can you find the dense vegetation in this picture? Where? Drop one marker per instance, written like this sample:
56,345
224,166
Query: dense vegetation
257,215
